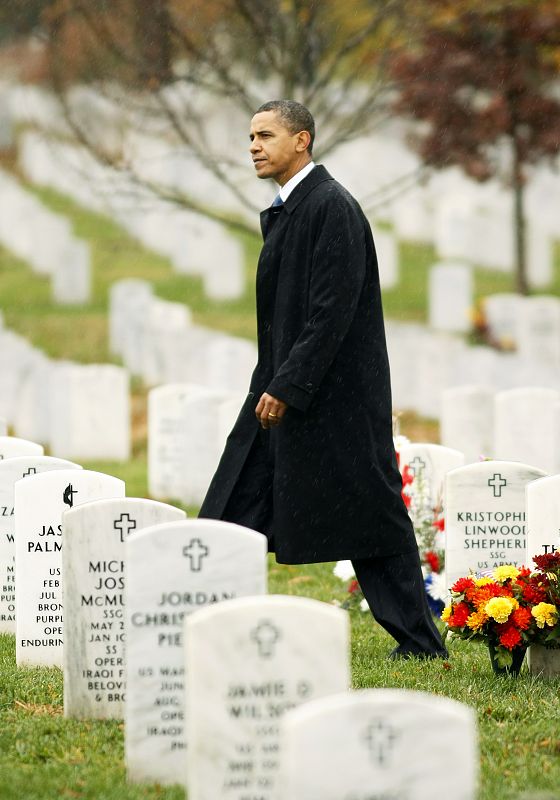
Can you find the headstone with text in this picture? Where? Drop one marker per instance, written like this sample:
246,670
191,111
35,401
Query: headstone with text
172,570
379,743
93,575
11,471
485,522
248,662
11,447
543,517
40,501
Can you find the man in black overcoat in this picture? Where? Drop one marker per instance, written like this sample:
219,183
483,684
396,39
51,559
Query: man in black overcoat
310,461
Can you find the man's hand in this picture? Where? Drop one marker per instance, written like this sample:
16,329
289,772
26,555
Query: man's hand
270,411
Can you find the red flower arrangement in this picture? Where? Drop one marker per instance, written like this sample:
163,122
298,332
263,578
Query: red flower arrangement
514,608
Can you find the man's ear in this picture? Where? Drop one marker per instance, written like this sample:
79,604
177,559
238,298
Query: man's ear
303,141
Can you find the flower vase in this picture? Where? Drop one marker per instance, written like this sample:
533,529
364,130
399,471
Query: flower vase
518,656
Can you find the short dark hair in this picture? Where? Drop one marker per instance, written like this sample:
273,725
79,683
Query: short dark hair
294,115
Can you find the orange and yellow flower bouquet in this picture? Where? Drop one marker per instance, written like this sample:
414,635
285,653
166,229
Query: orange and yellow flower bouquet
510,610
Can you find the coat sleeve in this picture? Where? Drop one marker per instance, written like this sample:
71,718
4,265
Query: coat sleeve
337,276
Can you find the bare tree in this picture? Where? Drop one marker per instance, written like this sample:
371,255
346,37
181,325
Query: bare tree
158,59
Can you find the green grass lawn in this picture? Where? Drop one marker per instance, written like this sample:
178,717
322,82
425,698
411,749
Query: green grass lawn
42,755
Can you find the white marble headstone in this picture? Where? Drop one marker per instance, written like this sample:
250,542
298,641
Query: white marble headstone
502,313
526,424
538,329
379,743
450,297
71,281
40,502
248,662
90,412
3,427
93,577
543,517
172,570
11,446
485,518
12,470
429,464
467,421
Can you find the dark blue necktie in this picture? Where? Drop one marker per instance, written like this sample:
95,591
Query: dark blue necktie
277,202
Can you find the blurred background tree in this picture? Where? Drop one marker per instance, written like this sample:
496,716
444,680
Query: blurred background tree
158,59
485,77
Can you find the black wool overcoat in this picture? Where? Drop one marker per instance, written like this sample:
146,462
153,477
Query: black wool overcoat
321,349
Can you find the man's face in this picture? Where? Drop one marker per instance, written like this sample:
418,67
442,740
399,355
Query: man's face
276,152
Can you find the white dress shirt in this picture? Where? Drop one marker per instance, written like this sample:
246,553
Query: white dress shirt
290,185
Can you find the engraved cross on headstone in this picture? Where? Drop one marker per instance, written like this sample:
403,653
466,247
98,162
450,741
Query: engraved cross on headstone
68,496
497,483
417,465
196,552
380,739
266,634
125,524
30,471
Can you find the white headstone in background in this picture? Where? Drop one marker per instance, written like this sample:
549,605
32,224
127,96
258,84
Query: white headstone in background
184,444
40,502
3,427
32,413
450,297
540,256
485,519
172,570
12,470
538,330
502,314
428,464
384,741
543,517
387,249
249,661
11,447
71,281
122,295
467,421
93,572
90,412
526,425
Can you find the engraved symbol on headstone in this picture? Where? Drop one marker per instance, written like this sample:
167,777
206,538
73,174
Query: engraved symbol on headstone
497,483
68,496
266,634
416,466
380,739
196,552
125,524
30,471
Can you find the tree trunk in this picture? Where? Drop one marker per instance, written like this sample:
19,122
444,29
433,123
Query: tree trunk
153,37
521,283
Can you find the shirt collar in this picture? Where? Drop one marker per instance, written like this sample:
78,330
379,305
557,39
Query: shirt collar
288,187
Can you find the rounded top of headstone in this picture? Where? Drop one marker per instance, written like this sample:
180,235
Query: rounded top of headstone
107,504
203,527
384,700
260,605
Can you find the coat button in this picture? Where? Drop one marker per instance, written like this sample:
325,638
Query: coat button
309,386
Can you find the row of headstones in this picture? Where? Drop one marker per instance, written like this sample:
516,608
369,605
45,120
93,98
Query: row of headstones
194,244
514,425
496,512
45,241
424,363
79,411
133,570
158,342
463,219
530,325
